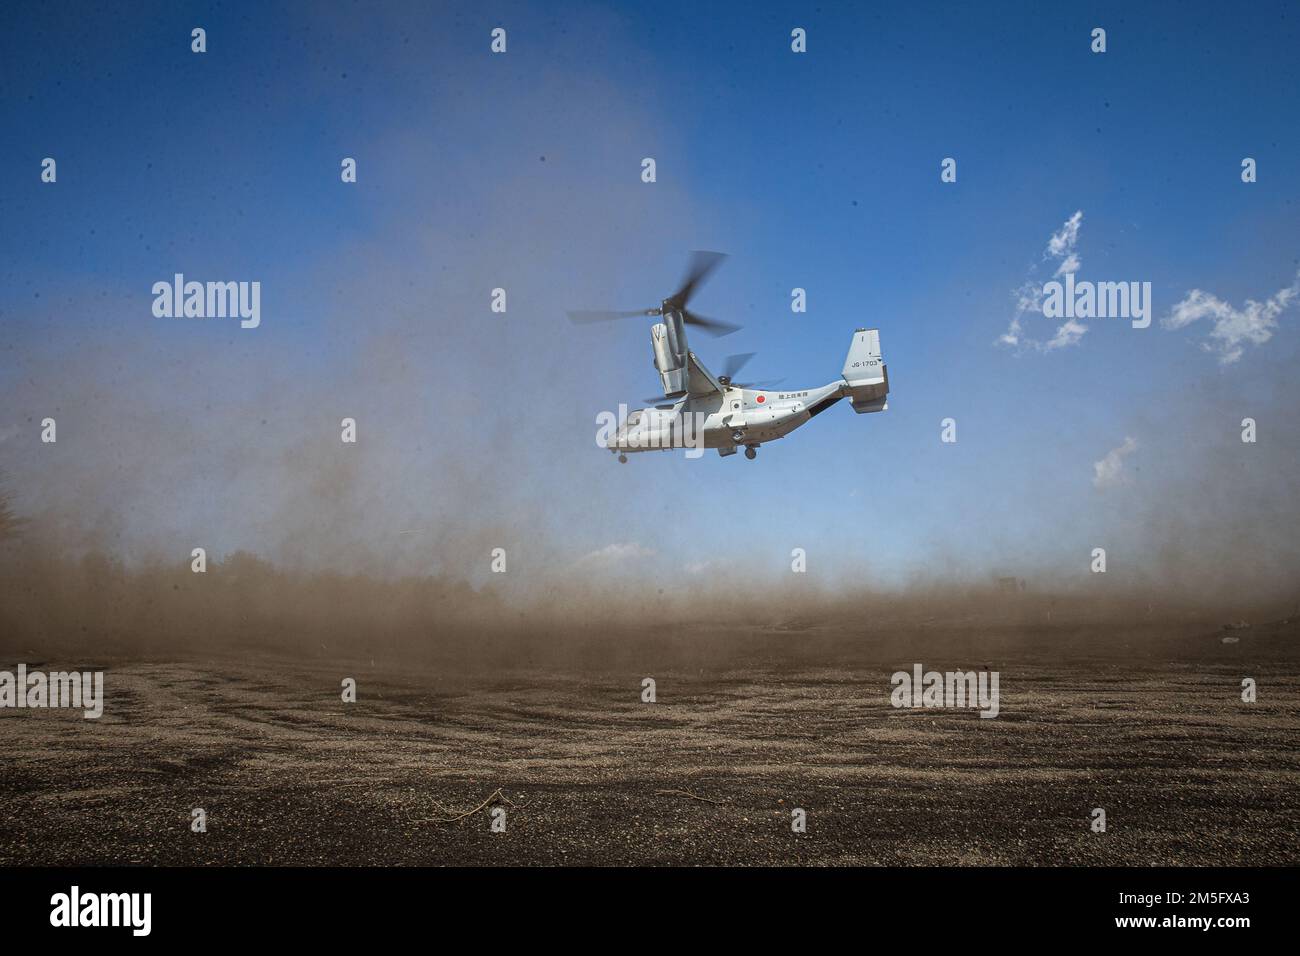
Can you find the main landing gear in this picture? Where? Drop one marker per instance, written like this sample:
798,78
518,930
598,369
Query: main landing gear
622,459
751,452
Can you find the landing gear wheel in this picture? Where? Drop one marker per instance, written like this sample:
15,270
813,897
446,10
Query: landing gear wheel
622,459
751,452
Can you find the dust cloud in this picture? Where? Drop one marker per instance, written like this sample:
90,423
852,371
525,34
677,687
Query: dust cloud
475,432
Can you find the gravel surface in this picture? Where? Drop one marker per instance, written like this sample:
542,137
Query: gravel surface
586,773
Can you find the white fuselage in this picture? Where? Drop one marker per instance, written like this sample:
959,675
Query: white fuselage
735,416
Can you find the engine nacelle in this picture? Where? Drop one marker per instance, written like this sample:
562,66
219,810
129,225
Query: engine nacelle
672,370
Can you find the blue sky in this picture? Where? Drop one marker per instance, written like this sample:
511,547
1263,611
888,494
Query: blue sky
521,170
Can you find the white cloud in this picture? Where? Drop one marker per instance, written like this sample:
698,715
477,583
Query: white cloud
1071,263
1062,242
1109,472
1029,296
1234,328
1068,334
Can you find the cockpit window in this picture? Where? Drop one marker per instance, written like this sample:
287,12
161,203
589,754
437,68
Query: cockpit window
634,418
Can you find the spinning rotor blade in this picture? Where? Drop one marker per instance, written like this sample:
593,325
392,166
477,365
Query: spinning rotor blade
732,364
584,317
712,326
701,267
764,384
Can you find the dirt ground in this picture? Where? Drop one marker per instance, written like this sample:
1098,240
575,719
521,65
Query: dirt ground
709,773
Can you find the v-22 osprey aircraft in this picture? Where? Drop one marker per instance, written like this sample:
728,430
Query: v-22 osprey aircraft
731,414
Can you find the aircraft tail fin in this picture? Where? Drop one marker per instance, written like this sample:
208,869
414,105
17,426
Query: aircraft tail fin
865,373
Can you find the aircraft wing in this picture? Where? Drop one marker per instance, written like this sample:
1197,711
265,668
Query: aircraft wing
699,380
